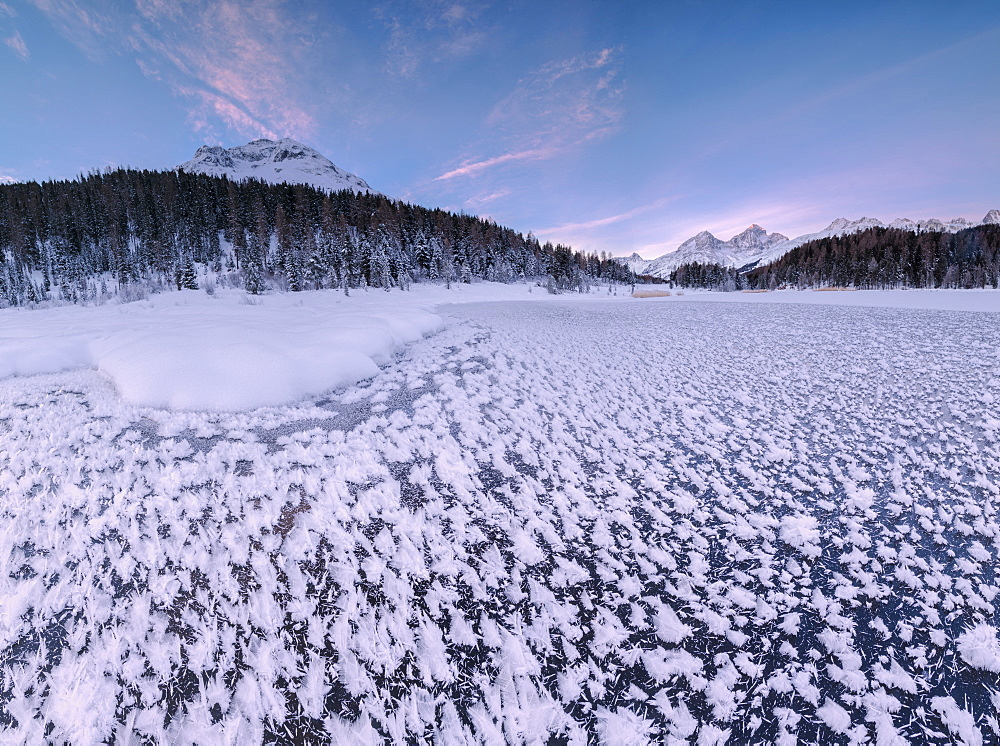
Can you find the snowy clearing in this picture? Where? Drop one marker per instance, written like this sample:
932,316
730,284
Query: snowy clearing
622,520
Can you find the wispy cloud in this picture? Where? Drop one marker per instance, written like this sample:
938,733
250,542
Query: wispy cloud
234,61
210,105
429,32
580,93
471,167
484,198
609,220
556,108
17,45
12,37
88,28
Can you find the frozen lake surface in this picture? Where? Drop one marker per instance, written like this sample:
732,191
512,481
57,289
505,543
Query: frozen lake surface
550,522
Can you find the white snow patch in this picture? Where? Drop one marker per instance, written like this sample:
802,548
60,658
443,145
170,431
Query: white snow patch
980,648
835,716
959,722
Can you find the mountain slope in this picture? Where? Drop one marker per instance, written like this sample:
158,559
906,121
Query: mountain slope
284,161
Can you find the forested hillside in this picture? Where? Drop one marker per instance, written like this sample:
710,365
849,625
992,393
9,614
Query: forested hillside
875,258
125,233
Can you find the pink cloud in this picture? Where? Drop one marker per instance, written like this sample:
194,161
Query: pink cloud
236,61
609,220
467,169
226,110
557,108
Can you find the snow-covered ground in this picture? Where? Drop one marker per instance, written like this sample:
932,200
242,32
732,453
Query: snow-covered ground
230,350
617,520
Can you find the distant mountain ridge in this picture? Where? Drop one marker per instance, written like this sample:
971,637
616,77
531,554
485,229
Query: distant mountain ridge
742,249
283,161
756,247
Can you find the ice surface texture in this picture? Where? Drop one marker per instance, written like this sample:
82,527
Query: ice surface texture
618,522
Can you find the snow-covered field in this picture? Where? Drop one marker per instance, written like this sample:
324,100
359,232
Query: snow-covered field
615,520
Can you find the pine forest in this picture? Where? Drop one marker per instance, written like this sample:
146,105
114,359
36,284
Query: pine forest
121,234
875,259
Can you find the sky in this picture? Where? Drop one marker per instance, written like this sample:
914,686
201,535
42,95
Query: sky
623,126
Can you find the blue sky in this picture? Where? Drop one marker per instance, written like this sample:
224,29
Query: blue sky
611,126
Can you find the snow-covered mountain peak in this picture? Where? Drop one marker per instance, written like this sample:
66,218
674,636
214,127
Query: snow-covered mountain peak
755,237
636,263
701,239
704,248
210,155
992,218
843,225
698,244
276,162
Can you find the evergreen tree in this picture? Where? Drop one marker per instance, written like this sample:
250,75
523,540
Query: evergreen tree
253,282
187,275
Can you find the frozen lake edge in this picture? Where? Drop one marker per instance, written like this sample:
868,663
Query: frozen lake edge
721,520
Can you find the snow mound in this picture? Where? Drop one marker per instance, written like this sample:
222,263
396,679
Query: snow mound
187,350
230,352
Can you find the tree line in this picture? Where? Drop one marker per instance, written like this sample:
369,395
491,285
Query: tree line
877,258
123,233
